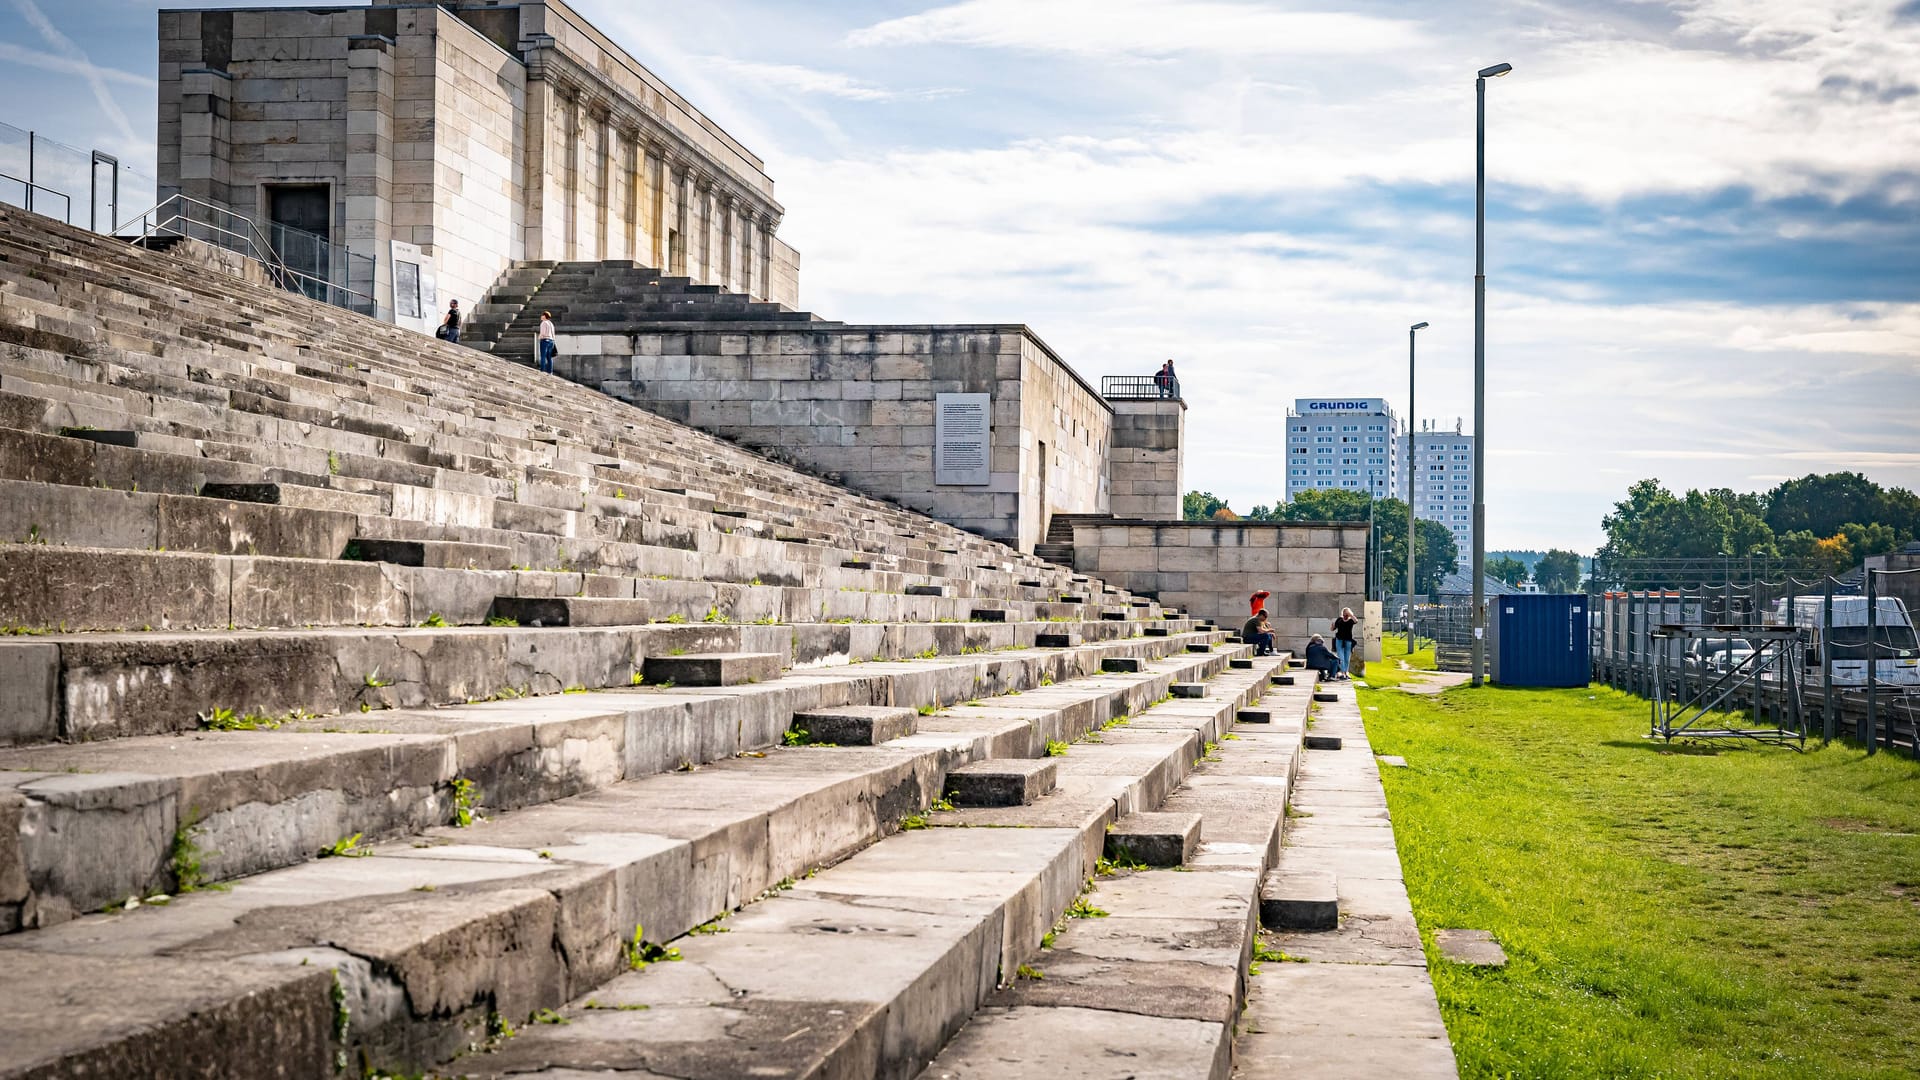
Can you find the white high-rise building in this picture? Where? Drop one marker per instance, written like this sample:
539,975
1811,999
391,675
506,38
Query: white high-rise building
1441,463
1351,443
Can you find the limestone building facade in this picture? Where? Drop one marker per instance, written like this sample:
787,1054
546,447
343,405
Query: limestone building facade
445,141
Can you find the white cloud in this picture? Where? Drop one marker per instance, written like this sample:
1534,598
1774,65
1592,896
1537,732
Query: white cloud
797,79
1146,28
77,57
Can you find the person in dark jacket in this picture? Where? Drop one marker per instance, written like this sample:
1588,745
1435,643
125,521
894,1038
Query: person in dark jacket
1258,634
1320,658
450,326
1343,641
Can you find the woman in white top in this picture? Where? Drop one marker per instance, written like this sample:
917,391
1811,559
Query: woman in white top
547,346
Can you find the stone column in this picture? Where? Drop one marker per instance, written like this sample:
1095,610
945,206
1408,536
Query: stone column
369,178
703,244
206,135
725,202
576,167
681,196
603,171
748,221
635,184
765,258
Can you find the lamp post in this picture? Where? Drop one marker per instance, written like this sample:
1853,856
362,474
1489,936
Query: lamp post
1376,564
1412,528
1480,365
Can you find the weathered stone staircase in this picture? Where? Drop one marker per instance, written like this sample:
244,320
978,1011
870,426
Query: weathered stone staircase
288,587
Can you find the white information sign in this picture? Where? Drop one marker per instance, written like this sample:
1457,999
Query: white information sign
962,438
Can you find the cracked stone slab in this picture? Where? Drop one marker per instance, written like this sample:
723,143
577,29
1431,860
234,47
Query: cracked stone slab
1032,1043
1476,948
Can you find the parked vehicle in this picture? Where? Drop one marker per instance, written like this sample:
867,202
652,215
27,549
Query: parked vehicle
1713,657
1895,650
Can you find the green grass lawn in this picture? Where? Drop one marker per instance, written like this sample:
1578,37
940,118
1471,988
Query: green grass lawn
1678,911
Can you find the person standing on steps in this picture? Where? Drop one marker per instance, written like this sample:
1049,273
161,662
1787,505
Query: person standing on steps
547,345
450,326
1343,641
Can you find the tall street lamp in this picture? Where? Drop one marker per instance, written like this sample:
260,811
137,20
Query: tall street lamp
1480,366
1412,471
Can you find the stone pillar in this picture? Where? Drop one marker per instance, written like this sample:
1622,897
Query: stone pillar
576,152
765,258
656,206
635,183
542,187
702,271
748,222
603,173
726,242
678,255
206,135
1144,460
368,225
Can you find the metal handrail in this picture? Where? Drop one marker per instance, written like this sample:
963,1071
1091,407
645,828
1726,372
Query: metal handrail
258,247
30,187
1138,386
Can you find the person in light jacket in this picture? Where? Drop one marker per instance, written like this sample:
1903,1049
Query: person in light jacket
547,345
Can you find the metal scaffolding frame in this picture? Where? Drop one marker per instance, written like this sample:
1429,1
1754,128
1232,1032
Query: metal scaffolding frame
1680,705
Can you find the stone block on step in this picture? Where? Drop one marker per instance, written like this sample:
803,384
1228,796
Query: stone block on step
712,669
1240,663
1154,839
1188,689
1325,695
1254,716
1123,665
438,554
856,725
1055,639
1299,901
570,610
1001,781
926,590
1199,646
1155,631
1283,680
987,615
1321,742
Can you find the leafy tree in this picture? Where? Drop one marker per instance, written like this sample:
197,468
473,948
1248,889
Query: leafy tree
1328,504
1507,569
1822,504
1435,556
1875,539
1200,505
1833,554
1225,514
1557,571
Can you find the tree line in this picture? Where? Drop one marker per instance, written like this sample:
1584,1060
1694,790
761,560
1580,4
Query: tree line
1827,522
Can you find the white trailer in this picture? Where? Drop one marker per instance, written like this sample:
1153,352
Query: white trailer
1896,655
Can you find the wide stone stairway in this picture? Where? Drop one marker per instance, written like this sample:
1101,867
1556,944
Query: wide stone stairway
370,704
585,296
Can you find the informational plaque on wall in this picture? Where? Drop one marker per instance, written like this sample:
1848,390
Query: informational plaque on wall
961,438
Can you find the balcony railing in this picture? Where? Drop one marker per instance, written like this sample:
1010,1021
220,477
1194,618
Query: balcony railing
1119,387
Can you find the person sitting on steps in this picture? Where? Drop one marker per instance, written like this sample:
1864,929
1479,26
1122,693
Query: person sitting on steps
1258,634
1320,658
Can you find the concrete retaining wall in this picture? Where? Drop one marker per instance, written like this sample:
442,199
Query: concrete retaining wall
1210,568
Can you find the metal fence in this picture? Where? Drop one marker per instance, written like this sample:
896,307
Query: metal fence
1856,661
299,261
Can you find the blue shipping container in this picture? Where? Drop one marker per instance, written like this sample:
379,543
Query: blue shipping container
1540,639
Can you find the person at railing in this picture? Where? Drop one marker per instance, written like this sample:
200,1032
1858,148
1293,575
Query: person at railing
1166,381
547,344
450,326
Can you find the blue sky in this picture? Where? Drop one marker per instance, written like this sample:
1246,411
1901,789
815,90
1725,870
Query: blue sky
1704,216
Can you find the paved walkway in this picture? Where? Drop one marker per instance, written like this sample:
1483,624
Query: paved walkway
1361,1005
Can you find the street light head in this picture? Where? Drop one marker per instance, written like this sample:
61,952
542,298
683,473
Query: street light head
1418,326
1495,71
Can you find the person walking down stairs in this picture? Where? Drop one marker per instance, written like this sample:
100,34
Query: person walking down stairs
450,326
547,345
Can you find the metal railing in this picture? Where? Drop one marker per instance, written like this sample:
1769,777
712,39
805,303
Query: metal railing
1138,386
314,269
27,190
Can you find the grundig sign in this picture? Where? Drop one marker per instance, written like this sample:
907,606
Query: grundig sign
1341,406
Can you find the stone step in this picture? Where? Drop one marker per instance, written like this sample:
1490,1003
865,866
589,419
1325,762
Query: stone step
713,669
472,909
539,611
438,554
1299,900
1189,690
854,725
1154,839
1322,742
849,971
1127,665
99,686
1160,974
1002,782
253,800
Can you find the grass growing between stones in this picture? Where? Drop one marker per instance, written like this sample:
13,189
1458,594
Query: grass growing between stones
1668,911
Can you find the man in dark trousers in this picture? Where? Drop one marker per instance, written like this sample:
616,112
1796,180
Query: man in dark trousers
450,327
1258,634
1321,659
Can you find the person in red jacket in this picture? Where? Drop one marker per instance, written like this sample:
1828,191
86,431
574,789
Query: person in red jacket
1260,601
